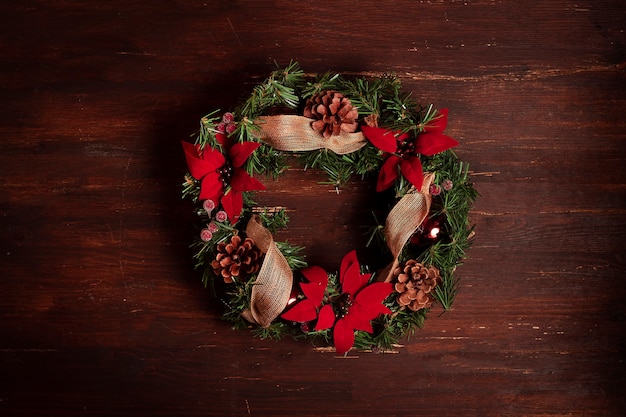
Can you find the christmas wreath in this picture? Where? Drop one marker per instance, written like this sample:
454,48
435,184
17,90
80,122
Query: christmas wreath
346,127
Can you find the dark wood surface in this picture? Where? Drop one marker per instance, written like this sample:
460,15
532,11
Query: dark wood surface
101,312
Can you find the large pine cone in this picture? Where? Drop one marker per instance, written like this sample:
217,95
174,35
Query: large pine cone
237,259
333,113
415,283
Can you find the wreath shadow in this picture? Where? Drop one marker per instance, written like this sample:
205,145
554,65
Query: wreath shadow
175,124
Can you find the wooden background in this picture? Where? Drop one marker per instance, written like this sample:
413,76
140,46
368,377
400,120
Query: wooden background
101,312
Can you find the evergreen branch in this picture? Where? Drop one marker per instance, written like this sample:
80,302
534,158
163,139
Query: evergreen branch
293,254
376,234
328,81
291,76
267,161
274,219
206,134
238,301
446,291
276,330
191,188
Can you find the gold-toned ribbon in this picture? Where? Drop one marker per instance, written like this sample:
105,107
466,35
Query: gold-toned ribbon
272,287
294,133
403,220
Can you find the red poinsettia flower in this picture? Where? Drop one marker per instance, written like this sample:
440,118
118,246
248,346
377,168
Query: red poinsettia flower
223,178
404,151
306,309
357,306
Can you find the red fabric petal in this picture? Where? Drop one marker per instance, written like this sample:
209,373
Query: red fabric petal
383,139
358,321
242,181
388,173
302,311
369,313
315,274
211,187
313,291
380,309
412,170
374,294
343,336
199,165
326,318
239,152
361,319
350,275
438,123
191,149
347,261
432,143
353,280
232,202
222,139
315,288
368,305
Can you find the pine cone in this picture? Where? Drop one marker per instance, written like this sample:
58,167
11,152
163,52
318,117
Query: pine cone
332,112
236,259
415,283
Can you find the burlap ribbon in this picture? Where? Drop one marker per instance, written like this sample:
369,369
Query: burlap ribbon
403,220
272,287
294,133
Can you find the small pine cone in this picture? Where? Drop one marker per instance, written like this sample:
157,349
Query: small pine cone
414,283
333,113
237,259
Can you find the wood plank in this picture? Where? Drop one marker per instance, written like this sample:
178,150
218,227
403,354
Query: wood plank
101,312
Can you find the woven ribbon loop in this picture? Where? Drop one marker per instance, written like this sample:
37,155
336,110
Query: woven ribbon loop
272,287
295,134
404,219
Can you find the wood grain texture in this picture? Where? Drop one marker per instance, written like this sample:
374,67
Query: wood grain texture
101,312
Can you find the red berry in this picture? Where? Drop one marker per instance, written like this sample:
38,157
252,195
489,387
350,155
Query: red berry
228,118
206,235
435,189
